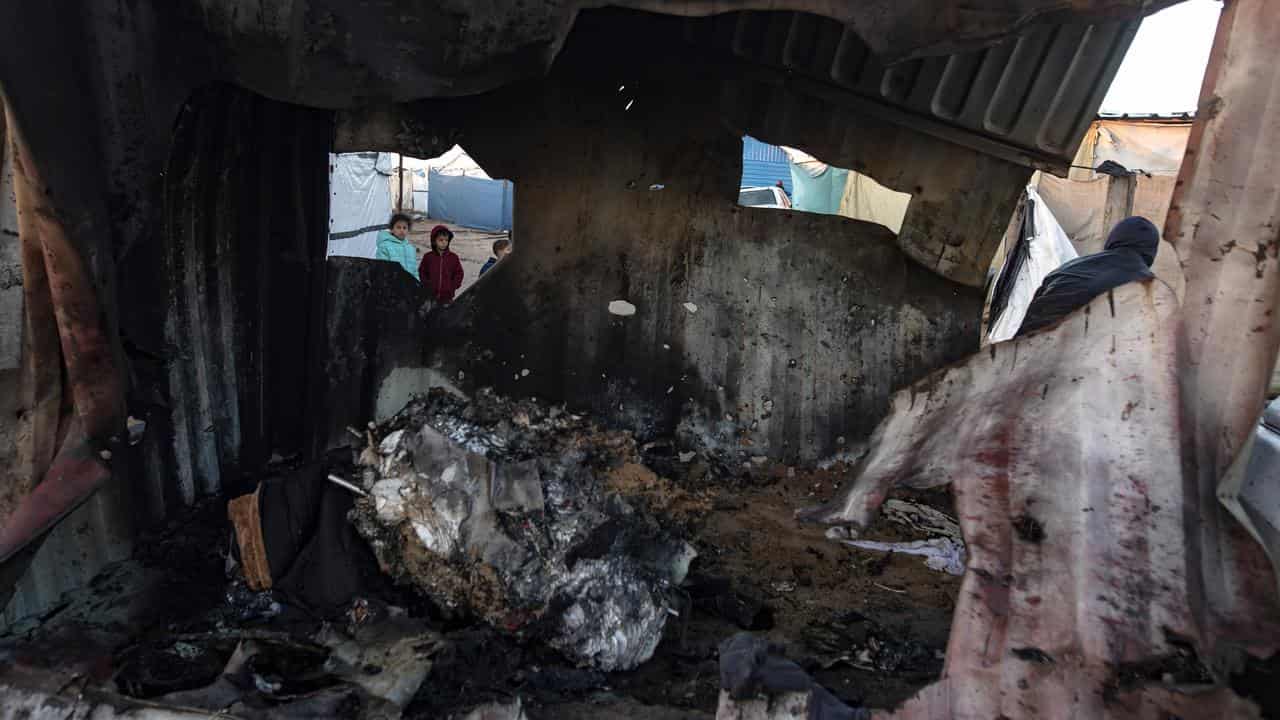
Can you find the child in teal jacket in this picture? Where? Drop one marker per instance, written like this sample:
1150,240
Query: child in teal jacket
394,245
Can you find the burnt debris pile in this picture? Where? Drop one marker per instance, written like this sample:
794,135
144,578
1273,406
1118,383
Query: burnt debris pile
508,510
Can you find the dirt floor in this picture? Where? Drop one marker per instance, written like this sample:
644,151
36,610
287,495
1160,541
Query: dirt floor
870,627
473,246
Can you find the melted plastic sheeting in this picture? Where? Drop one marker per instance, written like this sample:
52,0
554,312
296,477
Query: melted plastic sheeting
1083,539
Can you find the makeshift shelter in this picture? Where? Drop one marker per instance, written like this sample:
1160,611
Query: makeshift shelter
457,161
1152,144
359,201
470,201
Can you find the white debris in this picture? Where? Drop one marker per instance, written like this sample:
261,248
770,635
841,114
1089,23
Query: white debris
388,499
136,428
942,554
691,308
687,456
390,442
622,308
346,485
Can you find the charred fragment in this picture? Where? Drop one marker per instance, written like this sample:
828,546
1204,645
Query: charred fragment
504,511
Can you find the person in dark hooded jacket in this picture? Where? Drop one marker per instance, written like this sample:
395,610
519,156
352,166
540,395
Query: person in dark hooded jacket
440,269
1130,250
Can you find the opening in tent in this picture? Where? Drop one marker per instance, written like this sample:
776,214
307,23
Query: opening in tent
783,178
368,188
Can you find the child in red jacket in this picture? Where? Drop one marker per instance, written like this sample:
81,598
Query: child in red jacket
440,269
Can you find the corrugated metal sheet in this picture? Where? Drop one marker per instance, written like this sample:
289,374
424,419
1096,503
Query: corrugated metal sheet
764,164
1033,95
223,316
99,531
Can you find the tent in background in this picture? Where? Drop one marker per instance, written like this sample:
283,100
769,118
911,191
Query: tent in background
475,202
359,201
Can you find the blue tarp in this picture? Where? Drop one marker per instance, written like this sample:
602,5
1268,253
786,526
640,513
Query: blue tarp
763,165
470,202
819,194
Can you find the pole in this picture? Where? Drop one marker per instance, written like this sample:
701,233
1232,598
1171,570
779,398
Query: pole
400,174
1119,203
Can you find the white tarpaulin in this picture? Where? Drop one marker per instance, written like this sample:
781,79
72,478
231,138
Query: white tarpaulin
359,201
1153,146
866,199
1047,249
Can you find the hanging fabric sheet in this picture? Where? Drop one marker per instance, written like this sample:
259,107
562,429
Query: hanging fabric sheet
1041,248
359,202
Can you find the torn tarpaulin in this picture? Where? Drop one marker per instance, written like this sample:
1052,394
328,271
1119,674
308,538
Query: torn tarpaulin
1077,539
503,509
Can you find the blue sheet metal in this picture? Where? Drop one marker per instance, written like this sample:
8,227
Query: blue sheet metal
763,165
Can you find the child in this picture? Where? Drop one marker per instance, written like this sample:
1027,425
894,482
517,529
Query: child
441,270
394,245
501,248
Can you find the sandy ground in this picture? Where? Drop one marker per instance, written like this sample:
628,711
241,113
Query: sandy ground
473,246
811,585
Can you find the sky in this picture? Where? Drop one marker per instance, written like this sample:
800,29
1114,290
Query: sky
1165,64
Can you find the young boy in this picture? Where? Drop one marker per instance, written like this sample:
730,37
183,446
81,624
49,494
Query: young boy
501,248
441,270
394,245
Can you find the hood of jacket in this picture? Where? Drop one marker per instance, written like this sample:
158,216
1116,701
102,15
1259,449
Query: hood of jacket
1136,234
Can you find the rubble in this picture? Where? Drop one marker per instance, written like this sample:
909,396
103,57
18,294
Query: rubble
864,643
505,510
387,659
757,683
